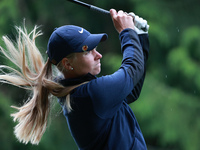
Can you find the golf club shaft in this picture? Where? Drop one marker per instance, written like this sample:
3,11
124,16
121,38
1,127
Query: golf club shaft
94,8
100,10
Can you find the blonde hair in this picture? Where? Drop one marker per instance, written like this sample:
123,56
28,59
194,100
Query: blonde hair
35,75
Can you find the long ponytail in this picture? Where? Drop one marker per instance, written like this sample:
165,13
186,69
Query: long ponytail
35,75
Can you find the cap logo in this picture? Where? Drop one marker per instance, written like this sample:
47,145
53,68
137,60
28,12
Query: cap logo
85,48
81,31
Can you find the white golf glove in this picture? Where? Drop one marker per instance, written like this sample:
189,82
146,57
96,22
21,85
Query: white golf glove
141,26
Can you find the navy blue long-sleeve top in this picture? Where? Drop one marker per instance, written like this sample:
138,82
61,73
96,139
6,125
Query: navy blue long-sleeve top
101,118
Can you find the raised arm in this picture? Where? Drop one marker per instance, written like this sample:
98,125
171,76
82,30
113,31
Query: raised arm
108,92
135,93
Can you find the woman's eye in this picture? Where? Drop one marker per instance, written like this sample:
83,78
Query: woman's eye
86,52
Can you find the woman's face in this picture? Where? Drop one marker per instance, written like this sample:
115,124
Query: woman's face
86,62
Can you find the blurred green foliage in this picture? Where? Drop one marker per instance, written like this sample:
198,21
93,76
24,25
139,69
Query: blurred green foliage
169,105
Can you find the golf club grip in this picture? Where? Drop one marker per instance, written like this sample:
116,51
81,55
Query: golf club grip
106,12
97,9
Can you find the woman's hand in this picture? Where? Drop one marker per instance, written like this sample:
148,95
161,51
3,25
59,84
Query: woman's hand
121,20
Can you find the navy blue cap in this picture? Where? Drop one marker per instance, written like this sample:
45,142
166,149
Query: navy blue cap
71,39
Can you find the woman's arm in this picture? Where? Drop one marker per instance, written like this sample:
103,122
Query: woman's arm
108,92
135,93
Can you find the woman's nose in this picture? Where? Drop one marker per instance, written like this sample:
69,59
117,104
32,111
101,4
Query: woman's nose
97,55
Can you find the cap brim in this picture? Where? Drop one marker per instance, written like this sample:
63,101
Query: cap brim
93,40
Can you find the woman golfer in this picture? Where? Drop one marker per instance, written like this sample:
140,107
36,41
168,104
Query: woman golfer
96,109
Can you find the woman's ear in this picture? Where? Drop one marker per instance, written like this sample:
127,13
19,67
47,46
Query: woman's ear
66,64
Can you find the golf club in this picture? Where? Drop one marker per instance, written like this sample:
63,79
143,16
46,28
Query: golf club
140,24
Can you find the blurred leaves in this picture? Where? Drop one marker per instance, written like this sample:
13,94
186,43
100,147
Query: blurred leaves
186,66
170,115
